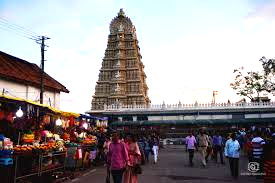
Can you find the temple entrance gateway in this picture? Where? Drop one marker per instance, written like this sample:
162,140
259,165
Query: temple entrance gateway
122,80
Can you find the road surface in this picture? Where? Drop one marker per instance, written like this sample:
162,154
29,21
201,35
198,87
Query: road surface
173,168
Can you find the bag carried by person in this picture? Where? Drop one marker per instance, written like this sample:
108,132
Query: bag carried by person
137,169
108,179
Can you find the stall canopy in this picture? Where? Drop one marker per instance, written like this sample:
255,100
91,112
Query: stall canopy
87,116
54,110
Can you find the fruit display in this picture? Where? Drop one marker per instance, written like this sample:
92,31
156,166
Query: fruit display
28,137
60,145
51,142
66,137
89,140
26,149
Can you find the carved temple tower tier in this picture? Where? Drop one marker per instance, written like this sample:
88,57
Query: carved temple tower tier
122,80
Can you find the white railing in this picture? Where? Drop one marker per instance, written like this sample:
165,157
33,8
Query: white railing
156,107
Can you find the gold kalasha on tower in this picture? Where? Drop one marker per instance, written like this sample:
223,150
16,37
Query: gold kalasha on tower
122,80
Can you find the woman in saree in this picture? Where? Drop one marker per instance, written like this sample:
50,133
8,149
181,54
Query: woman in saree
134,158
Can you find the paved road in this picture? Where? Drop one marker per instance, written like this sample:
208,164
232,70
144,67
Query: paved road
172,168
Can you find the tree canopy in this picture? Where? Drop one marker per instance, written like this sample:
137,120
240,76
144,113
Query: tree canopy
255,84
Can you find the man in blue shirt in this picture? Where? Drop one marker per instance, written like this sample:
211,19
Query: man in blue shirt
232,151
218,147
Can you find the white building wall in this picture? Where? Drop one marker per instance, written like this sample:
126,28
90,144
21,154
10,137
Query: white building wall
204,117
155,118
165,118
270,115
29,92
189,117
252,116
222,116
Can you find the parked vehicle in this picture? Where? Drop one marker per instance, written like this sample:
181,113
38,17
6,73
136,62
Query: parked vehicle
172,141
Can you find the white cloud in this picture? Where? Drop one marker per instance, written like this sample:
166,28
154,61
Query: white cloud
80,69
206,61
96,40
263,12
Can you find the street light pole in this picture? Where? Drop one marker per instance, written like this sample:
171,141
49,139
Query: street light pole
214,96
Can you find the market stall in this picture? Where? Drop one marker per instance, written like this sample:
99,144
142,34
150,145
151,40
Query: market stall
82,146
24,151
36,139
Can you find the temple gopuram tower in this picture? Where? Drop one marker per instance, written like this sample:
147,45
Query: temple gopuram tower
121,79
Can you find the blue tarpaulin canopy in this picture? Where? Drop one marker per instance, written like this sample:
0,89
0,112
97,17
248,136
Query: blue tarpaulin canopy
92,117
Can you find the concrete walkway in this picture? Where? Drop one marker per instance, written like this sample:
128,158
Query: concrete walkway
172,168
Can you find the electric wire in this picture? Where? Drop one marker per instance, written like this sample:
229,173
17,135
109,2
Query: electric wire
5,25
26,30
7,28
19,30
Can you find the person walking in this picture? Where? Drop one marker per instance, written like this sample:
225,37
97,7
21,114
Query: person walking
218,147
155,150
190,147
202,146
232,151
130,176
147,150
269,161
141,145
258,150
209,149
117,158
106,148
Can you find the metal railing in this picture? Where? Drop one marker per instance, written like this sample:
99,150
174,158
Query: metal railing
150,107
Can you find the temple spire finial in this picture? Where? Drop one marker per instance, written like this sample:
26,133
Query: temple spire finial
121,12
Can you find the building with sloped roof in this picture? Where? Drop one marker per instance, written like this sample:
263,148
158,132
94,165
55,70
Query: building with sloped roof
20,78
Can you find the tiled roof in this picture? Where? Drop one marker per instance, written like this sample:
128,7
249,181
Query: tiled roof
18,70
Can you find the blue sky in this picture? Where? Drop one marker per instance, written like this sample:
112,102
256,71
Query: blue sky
189,48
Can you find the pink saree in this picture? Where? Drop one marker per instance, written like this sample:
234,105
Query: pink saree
134,158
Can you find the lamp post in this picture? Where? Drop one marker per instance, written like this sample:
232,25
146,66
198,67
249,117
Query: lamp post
214,96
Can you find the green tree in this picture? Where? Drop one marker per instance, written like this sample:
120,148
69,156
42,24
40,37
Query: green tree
268,65
250,84
269,74
255,84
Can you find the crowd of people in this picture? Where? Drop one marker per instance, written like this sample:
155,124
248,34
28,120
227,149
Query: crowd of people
125,155
257,144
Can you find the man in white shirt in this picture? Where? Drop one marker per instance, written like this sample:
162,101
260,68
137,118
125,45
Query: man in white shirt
191,146
232,151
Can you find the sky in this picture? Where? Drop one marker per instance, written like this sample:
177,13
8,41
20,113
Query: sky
189,47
